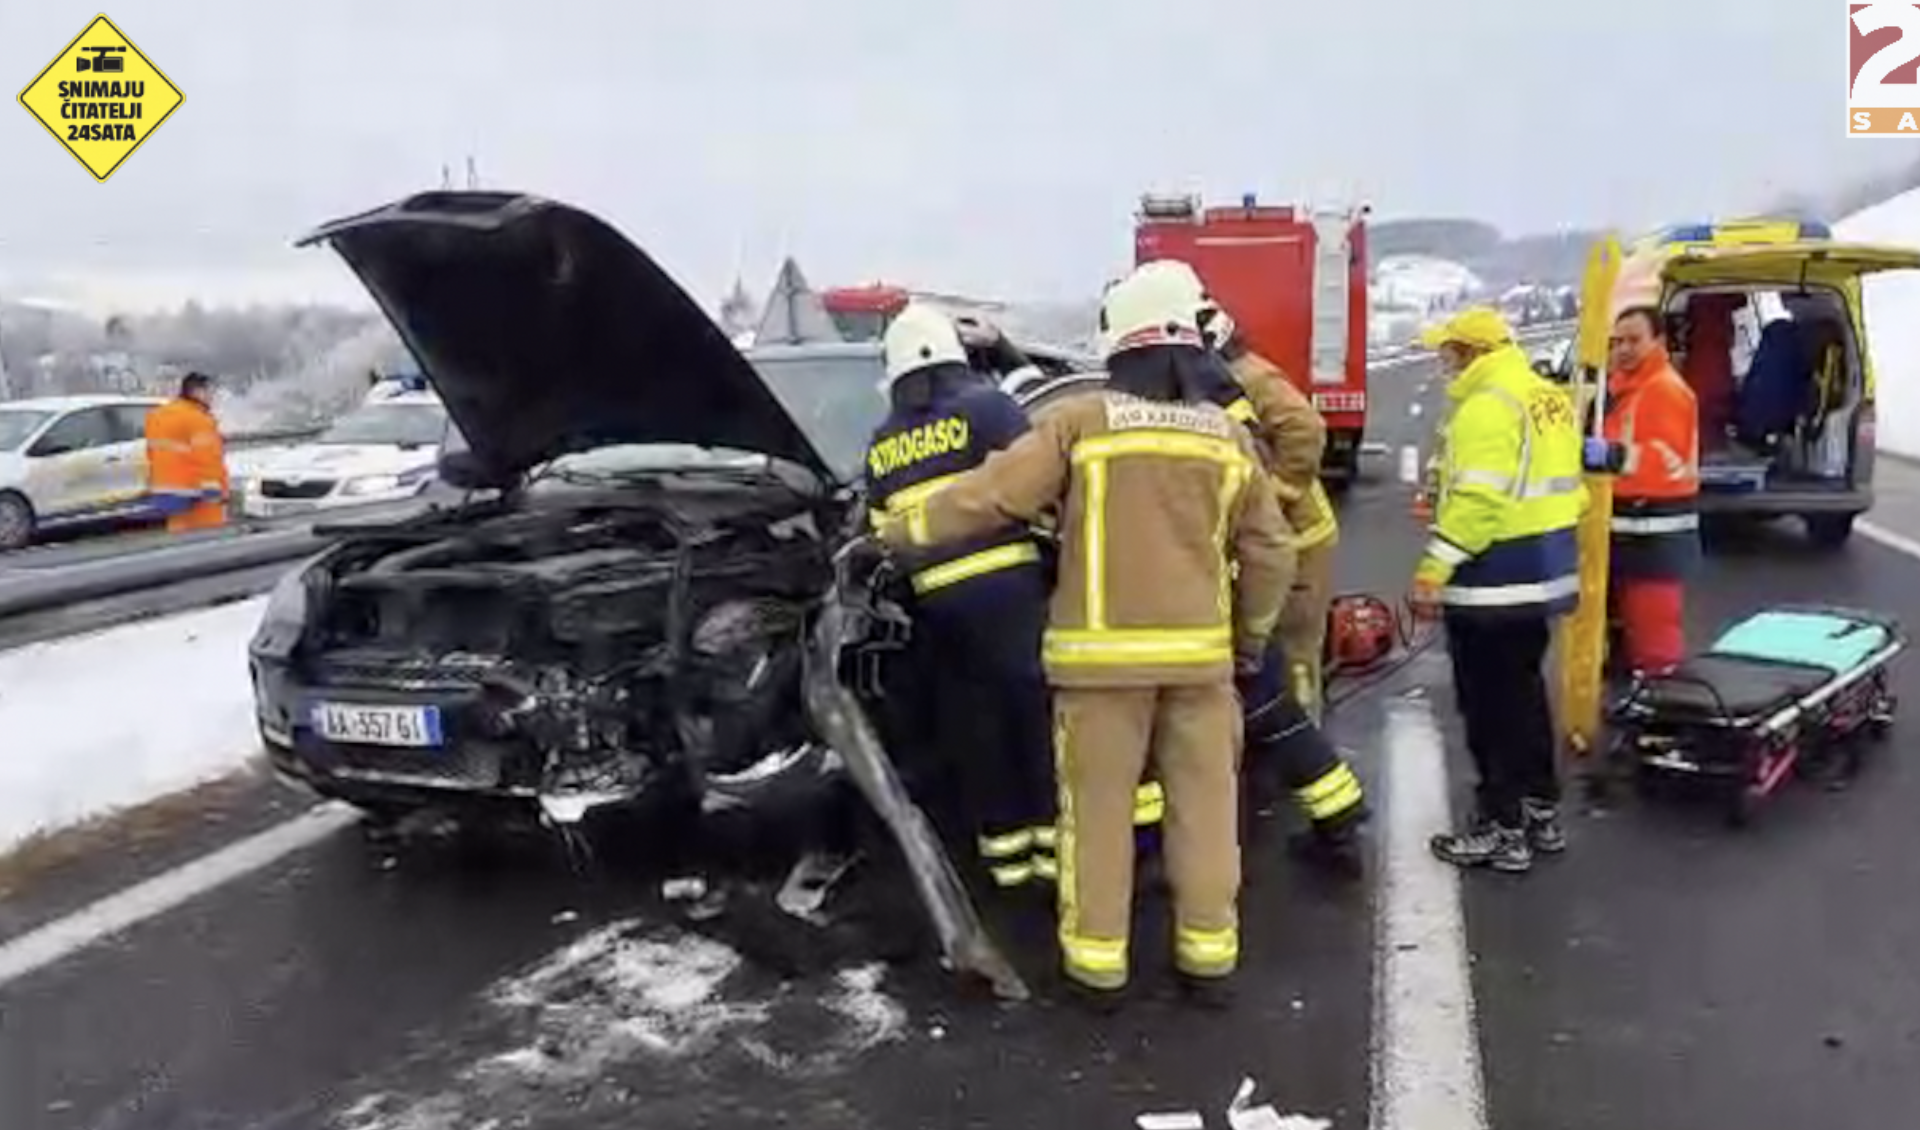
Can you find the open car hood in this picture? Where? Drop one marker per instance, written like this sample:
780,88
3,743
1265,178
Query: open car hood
545,331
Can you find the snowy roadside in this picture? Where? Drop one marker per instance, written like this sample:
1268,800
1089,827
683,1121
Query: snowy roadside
98,723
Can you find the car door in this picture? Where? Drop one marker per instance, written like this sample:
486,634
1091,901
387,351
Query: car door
124,477
67,466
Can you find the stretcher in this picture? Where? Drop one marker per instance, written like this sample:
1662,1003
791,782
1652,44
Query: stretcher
1775,691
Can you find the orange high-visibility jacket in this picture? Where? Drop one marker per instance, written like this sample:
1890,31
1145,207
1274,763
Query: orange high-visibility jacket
1655,419
185,455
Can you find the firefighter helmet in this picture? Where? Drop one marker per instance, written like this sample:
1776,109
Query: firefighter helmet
1155,305
920,336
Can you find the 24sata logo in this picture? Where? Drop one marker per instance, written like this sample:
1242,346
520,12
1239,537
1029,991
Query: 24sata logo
1883,56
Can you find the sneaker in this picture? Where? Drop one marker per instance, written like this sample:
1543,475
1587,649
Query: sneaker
1503,849
1544,832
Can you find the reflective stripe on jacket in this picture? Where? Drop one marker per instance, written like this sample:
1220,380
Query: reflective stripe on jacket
1654,419
921,448
1510,492
1169,553
184,451
1294,435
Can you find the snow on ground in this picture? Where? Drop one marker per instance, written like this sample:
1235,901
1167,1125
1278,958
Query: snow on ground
93,723
630,994
1893,320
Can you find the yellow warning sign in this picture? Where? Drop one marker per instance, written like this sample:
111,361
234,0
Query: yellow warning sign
100,97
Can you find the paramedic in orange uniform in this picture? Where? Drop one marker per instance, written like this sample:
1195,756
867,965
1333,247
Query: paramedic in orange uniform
1653,425
186,459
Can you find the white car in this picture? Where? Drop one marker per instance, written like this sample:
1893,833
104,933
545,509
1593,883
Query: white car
70,460
382,451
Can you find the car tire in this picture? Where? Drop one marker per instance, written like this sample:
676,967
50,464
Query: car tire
16,521
1829,531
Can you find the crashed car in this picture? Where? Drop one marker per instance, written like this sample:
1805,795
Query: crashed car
643,593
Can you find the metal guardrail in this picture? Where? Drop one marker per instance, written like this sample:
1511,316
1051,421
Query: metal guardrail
25,591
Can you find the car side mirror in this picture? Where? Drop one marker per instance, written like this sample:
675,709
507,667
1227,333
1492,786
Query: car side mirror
46,446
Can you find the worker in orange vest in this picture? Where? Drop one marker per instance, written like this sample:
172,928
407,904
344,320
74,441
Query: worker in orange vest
186,459
1653,427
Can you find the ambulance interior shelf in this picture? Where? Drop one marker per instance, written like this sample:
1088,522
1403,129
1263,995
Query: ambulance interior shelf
1778,381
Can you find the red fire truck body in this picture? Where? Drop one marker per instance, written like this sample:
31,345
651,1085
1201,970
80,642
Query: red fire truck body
1294,282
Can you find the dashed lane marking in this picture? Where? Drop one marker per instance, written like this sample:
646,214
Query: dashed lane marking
156,896
1426,1062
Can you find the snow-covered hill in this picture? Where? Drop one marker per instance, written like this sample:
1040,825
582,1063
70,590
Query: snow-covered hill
1893,318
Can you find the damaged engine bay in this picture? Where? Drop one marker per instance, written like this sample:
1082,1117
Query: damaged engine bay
704,647
596,650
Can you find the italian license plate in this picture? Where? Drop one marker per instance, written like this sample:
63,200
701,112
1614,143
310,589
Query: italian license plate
413,727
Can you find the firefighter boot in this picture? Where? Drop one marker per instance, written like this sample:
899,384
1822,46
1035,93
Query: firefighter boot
1334,848
1214,994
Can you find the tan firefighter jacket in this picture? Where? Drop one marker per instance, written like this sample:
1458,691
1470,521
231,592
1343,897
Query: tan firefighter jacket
1295,436
1170,552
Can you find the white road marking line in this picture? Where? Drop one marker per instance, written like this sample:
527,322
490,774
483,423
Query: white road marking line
1426,1065
120,911
1899,543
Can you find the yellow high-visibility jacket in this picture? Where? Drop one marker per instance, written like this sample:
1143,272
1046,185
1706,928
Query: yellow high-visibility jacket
1510,492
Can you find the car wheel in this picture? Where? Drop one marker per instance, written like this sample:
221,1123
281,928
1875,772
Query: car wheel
1829,531
16,521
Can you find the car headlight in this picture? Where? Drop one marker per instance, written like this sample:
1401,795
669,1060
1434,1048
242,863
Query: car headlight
371,484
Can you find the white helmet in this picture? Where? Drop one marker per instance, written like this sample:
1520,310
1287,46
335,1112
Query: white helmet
920,336
1155,305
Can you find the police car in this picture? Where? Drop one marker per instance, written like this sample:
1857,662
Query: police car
386,449
69,461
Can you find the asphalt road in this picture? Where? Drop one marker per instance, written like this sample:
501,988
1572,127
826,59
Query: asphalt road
1667,972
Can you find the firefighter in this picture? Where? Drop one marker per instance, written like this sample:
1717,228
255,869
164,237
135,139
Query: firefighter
1653,428
980,603
186,458
1296,436
1282,724
1501,563
1174,561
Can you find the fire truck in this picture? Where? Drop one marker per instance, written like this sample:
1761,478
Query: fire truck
1295,281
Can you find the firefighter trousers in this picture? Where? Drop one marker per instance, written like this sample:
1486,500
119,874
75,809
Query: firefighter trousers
1105,738
1302,631
1283,741
990,701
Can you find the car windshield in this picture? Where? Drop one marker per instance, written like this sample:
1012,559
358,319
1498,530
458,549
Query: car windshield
16,424
402,425
834,397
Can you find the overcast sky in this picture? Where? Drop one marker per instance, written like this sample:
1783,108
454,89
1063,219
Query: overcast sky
992,146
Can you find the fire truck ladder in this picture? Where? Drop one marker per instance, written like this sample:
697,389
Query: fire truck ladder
1332,285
